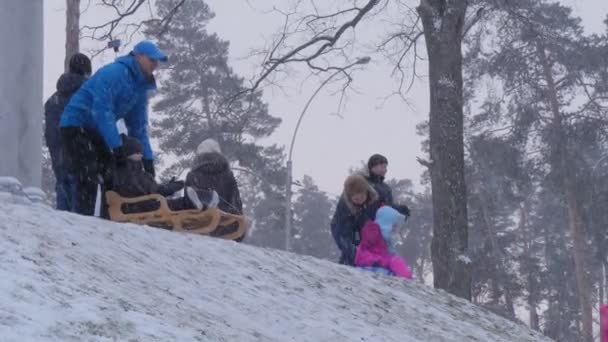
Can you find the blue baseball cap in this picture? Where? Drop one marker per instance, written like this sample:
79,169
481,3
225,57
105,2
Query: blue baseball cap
150,50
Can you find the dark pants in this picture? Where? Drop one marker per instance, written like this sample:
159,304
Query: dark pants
87,159
65,186
66,192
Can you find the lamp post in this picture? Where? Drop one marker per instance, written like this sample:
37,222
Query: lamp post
289,173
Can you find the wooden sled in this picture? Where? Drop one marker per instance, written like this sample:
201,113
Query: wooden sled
208,222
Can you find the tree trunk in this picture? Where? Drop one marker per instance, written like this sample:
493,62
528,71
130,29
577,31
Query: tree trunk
72,30
443,29
530,282
574,215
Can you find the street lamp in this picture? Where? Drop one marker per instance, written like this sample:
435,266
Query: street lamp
289,177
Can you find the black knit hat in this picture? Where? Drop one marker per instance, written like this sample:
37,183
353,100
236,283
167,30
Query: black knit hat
376,159
131,145
80,64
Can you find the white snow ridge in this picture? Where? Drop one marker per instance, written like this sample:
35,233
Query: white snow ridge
65,277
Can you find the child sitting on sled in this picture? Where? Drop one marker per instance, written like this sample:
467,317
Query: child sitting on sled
376,250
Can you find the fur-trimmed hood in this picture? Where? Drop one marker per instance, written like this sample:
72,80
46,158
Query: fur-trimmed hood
357,180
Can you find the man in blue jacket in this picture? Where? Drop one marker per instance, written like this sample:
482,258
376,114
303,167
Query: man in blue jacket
92,144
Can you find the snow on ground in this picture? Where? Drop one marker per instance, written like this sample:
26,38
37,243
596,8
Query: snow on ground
65,277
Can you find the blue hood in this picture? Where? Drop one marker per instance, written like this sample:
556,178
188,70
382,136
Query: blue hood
135,70
386,218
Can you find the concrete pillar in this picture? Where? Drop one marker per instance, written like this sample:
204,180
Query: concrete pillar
21,102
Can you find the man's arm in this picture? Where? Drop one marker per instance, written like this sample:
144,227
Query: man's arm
107,83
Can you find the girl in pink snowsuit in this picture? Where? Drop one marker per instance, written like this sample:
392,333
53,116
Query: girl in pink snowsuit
375,248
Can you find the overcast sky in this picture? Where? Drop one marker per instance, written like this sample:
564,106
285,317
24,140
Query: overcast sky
327,145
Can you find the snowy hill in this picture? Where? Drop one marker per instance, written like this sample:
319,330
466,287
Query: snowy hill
69,278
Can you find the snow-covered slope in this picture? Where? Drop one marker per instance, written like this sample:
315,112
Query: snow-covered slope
69,278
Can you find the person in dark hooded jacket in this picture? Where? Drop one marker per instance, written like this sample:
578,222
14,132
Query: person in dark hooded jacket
79,70
358,204
131,180
211,171
377,167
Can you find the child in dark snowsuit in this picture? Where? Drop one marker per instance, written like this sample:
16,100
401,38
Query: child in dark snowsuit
131,180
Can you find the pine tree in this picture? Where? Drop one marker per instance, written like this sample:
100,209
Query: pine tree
494,172
548,79
313,210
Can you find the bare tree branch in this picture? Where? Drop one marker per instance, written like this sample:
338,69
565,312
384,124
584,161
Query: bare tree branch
317,46
166,20
112,24
119,25
473,21
425,163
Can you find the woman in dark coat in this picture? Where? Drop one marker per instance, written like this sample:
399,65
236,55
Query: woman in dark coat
358,204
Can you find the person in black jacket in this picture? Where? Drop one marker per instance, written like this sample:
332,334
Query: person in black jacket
67,85
377,166
211,173
358,204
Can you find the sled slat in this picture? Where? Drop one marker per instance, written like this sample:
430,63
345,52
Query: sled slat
191,221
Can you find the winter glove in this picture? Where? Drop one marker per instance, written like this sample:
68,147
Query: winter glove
149,166
170,188
403,209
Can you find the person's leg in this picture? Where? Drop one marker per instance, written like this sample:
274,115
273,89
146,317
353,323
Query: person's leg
72,188
61,197
62,193
81,162
103,161
87,187
193,199
177,204
399,267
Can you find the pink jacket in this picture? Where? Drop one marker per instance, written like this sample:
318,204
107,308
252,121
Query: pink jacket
604,323
373,251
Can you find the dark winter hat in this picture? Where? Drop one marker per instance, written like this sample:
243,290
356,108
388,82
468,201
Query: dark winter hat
131,145
80,64
376,159
355,184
